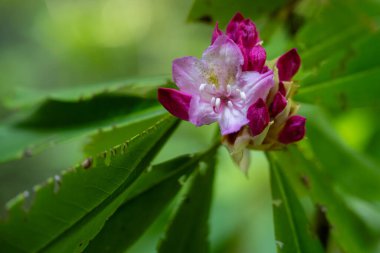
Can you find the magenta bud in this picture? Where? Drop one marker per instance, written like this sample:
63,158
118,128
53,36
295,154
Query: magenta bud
294,130
216,33
288,65
258,117
256,59
176,102
278,105
242,31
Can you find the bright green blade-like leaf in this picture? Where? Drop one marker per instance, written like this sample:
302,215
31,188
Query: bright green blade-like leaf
345,223
57,121
293,232
68,211
222,11
188,230
143,87
349,170
152,194
339,56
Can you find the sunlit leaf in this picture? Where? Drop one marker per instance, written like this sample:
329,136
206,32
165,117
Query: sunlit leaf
69,210
154,191
293,232
345,224
339,162
188,230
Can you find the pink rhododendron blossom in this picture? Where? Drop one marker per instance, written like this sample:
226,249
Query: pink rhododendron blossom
220,91
234,84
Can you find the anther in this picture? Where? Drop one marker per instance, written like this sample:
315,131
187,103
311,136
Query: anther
202,87
213,101
228,90
242,95
230,105
217,103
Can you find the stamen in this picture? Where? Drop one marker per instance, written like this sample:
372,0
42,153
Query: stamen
213,101
202,87
242,95
228,90
230,105
217,103
213,88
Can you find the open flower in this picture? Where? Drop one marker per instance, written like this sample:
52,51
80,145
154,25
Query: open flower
234,84
214,88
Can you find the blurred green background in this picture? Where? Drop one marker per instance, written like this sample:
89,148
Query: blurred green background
61,43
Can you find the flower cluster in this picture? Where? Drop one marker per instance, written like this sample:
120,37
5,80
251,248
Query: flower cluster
234,84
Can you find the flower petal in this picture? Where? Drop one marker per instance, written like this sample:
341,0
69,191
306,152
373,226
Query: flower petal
294,130
216,33
258,116
231,120
278,105
288,65
256,85
224,60
201,112
189,74
176,102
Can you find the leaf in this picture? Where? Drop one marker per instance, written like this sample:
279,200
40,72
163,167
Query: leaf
69,210
344,164
57,121
222,11
293,232
188,230
345,224
338,51
152,194
142,87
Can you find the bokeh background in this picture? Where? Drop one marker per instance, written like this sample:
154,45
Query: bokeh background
69,43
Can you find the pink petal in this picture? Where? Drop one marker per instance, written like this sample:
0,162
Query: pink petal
188,74
224,59
216,33
231,120
176,102
201,112
288,65
278,105
258,116
294,130
256,85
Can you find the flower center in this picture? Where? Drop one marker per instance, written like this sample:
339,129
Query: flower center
229,96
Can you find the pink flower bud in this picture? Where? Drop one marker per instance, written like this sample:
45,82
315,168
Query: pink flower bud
258,117
278,105
288,65
294,130
176,102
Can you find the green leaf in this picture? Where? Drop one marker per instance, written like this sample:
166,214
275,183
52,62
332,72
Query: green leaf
142,87
57,121
332,67
222,11
147,198
293,232
69,210
188,230
344,164
303,172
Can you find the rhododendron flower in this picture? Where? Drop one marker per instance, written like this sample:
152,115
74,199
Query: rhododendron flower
234,84
214,88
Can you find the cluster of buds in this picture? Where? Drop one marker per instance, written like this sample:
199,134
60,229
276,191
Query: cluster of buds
234,84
